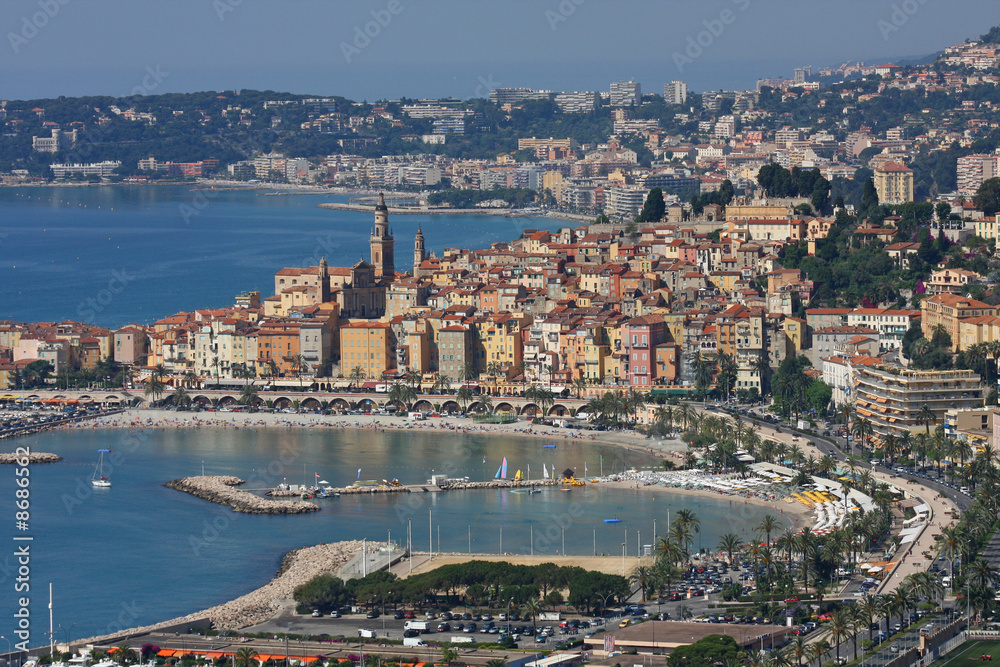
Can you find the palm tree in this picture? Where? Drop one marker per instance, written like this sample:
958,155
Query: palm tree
357,375
863,430
817,650
448,655
442,383
123,653
730,543
767,526
688,520
926,417
245,657
642,576
298,366
579,385
762,367
532,608
800,649
154,388
248,395
272,368
180,397
191,379
401,394
839,628
464,397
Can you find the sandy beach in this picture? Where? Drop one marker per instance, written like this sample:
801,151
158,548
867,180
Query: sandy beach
300,565
145,418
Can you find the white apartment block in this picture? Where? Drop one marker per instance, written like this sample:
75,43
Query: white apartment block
577,101
675,92
103,169
626,94
973,170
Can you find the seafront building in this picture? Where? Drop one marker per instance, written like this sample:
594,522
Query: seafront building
893,399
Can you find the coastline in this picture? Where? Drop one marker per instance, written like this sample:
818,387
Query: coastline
262,603
299,565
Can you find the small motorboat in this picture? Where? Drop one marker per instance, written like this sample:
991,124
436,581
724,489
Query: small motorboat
614,520
548,446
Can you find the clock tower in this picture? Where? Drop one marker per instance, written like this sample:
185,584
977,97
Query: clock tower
382,243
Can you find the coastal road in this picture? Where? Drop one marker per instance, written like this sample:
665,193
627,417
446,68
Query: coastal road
944,501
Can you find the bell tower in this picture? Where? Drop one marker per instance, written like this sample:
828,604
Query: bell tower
418,251
382,243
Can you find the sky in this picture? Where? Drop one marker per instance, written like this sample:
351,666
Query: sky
386,49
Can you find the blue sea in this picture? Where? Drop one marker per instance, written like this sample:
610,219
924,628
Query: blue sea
138,552
116,255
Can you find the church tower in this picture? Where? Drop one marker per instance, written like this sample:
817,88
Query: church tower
418,251
382,243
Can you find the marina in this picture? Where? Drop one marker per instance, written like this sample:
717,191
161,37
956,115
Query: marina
220,554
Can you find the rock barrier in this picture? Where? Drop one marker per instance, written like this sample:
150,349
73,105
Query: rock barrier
257,606
221,489
33,457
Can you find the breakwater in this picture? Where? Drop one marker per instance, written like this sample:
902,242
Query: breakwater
33,457
450,485
222,489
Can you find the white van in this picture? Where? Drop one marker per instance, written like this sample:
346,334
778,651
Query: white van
413,641
369,634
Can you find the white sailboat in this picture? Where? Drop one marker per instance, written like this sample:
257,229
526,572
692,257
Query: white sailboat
98,479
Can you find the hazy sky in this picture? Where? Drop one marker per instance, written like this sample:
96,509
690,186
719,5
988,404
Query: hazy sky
460,48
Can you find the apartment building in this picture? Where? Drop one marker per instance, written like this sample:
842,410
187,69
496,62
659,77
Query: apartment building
675,92
892,397
577,101
973,170
894,183
626,94
949,310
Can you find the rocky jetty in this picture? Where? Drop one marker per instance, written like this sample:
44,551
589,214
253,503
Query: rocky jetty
222,489
297,568
33,457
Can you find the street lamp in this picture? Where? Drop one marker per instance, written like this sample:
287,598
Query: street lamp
623,559
10,650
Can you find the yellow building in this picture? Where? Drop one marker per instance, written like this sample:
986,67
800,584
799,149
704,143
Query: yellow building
368,345
553,180
894,183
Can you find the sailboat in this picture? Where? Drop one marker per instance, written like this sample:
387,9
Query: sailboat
98,479
517,476
502,470
545,472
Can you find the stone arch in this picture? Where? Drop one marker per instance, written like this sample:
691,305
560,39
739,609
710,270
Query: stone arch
423,405
311,403
530,409
340,404
282,402
580,410
476,406
451,406
366,404
201,400
505,407
560,410
227,402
